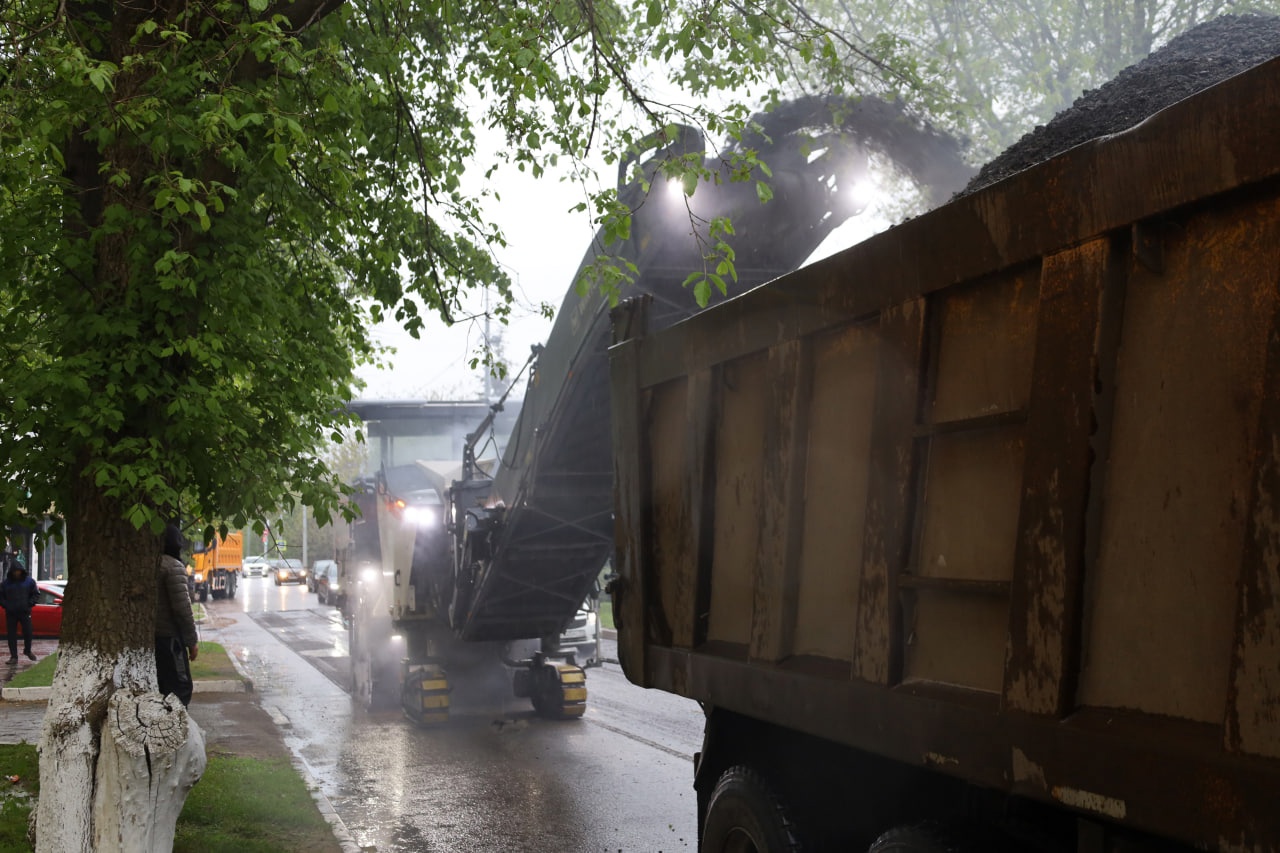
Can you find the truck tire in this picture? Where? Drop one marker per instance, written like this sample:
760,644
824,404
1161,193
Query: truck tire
231,585
204,594
934,838
745,816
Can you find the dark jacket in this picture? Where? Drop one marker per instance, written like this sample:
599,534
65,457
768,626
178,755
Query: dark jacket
18,591
173,608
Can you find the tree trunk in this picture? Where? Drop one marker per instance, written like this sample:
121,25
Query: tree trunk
116,759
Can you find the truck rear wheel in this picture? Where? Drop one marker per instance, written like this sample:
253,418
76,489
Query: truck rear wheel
938,838
745,816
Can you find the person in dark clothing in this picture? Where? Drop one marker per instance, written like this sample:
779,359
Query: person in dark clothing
176,639
18,594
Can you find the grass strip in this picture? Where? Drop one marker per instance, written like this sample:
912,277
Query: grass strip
211,664
17,798
606,615
38,675
249,805
241,804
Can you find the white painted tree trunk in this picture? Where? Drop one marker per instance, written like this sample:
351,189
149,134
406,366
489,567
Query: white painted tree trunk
117,759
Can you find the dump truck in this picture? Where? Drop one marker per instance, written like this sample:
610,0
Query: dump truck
215,568
968,537
451,564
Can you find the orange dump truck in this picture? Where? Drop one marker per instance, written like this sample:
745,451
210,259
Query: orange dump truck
215,568
968,538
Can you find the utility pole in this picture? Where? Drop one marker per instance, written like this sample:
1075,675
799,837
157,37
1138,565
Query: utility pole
488,343
304,536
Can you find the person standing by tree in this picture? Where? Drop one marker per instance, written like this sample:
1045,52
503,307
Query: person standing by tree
176,639
18,594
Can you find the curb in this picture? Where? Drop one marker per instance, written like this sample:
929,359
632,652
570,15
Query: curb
240,670
608,634
340,832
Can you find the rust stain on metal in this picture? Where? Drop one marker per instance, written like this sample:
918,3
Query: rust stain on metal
1220,797
870,661
1035,683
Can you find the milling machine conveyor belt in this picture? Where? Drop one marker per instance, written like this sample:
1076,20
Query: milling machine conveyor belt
556,477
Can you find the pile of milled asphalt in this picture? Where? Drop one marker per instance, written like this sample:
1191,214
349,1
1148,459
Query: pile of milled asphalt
1193,61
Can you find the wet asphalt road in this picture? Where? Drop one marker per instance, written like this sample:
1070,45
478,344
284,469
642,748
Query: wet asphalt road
496,777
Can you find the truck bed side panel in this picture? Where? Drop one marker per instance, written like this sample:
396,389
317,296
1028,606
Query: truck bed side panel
1027,444
835,496
1162,598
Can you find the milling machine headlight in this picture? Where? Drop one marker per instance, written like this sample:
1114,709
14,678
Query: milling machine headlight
369,575
420,516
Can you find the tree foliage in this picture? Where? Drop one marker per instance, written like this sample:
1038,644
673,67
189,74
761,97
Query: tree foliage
992,71
206,203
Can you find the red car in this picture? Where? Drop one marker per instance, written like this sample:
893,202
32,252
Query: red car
46,616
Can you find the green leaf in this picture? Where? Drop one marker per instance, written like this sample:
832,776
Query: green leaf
764,192
99,77
654,16
201,214
702,292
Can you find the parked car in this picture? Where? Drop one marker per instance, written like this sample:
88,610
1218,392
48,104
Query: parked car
255,567
582,635
328,586
46,616
288,571
313,576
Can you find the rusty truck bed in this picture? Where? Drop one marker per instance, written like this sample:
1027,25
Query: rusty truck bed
996,492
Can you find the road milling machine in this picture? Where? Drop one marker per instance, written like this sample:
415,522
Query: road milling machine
466,559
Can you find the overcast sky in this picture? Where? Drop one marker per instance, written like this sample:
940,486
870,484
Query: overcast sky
546,243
